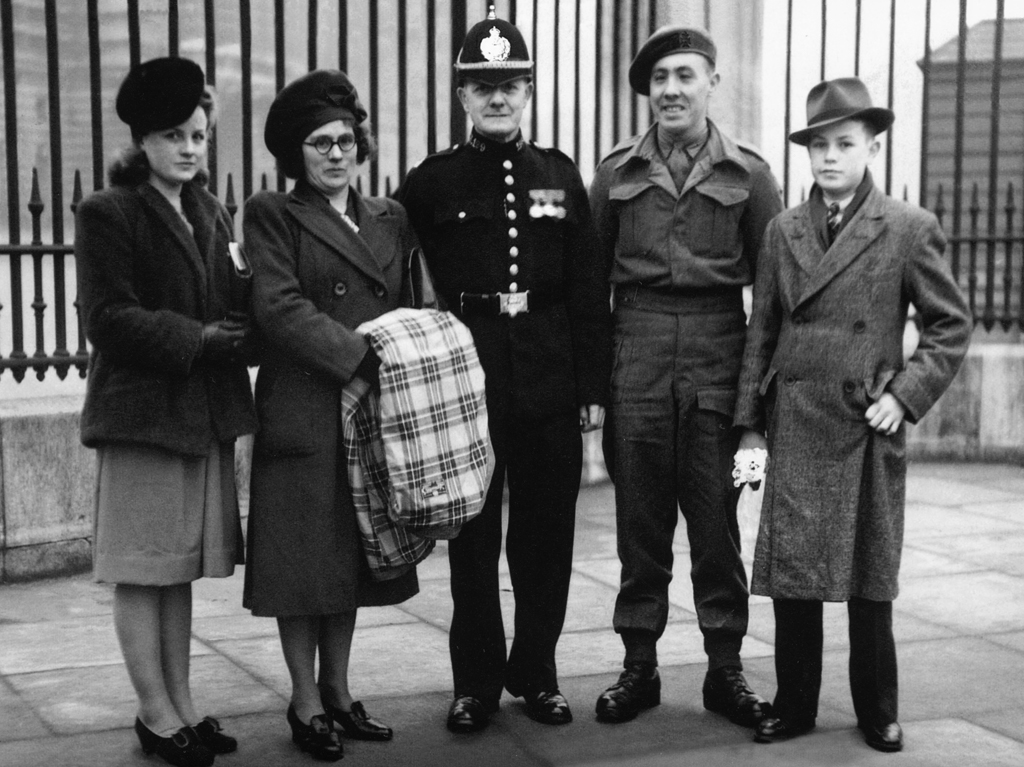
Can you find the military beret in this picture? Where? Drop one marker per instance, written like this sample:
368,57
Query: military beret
494,52
305,104
159,94
845,98
665,41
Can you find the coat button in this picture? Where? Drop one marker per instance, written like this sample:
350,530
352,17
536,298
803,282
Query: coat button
510,197
849,386
507,165
513,232
462,214
513,251
511,215
513,287
509,180
513,270
379,291
340,289
859,326
790,380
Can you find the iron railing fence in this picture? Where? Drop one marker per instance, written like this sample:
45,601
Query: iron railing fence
400,55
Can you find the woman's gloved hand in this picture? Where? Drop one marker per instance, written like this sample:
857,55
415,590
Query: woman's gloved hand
225,341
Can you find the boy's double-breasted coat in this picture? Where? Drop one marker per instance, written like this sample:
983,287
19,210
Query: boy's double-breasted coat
825,340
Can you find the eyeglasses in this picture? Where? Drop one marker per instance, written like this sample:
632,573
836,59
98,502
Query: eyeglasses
324,144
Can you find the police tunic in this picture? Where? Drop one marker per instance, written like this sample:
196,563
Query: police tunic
508,236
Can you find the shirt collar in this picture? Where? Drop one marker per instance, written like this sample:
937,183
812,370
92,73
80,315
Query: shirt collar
719,148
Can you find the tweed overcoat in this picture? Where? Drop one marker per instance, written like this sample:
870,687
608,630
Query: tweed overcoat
315,279
146,287
825,340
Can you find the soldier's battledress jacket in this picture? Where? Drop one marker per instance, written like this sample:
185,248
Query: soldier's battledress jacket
511,218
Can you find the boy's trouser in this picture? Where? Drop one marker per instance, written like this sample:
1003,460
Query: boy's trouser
798,650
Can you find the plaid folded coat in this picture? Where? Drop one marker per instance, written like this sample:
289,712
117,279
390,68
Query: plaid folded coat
419,457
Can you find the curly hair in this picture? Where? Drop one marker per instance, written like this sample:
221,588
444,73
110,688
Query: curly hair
131,166
293,165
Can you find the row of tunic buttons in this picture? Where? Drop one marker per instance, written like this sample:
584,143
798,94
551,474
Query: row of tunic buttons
513,233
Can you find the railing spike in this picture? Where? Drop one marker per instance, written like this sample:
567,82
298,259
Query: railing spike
229,199
76,195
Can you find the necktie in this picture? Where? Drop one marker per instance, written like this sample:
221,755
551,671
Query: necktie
833,220
679,165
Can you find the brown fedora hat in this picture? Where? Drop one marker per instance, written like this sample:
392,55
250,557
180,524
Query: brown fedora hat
845,98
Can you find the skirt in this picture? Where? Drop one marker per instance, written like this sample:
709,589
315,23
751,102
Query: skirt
163,518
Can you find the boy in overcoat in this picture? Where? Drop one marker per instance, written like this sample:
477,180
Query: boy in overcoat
824,376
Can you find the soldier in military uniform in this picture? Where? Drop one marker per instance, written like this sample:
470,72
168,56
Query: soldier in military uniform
680,211
507,231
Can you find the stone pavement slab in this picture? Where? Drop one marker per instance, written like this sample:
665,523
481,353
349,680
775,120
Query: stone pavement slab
65,698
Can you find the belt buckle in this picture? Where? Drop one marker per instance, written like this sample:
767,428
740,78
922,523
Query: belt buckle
514,303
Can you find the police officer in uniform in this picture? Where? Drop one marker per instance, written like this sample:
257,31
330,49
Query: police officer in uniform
680,211
508,235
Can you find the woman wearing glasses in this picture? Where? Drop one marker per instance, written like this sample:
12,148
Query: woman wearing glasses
325,259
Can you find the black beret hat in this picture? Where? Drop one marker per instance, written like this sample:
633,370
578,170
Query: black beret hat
159,94
494,52
845,98
305,104
665,41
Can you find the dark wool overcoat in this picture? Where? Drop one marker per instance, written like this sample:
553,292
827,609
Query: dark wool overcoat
824,341
315,279
146,286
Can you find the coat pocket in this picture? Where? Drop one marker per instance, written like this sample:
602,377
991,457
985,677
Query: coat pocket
291,405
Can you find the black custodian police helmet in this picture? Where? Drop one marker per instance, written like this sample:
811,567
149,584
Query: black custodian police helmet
494,52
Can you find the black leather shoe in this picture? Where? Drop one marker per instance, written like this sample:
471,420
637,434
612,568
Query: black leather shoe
357,724
467,714
726,692
638,688
210,735
773,729
182,748
548,707
888,738
316,738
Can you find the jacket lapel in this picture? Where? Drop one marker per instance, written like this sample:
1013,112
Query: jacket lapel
798,229
863,229
316,215
178,230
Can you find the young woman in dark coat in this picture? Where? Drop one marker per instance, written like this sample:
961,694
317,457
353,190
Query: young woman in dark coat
168,393
325,259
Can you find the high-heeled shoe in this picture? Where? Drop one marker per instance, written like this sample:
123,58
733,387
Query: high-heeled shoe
182,749
211,736
316,738
357,724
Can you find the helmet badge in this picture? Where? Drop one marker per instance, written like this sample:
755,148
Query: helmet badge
495,47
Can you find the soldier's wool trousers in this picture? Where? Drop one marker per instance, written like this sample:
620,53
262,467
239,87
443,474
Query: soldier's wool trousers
676,365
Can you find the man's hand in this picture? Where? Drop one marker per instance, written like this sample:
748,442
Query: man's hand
753,439
885,415
591,418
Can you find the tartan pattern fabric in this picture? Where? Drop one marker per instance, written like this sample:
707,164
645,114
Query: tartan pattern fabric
419,456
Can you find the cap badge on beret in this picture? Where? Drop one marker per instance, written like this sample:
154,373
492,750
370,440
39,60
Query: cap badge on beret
495,47
683,39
